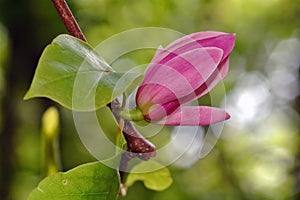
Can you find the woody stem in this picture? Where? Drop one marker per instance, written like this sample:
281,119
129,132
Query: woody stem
68,19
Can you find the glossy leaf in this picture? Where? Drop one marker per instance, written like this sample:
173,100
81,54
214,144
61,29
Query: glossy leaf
72,74
158,180
89,181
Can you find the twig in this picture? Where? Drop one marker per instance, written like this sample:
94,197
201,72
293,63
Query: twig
137,145
68,19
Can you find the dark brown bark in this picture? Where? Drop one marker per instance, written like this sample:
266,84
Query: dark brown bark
68,19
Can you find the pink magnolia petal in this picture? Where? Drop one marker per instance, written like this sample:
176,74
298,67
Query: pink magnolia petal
191,38
158,112
214,79
161,53
207,34
183,74
148,95
220,40
176,79
195,116
217,76
194,37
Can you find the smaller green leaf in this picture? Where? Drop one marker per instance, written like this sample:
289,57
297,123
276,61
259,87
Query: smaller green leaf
93,181
158,180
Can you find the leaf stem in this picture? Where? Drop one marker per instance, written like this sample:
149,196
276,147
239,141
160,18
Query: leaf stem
137,145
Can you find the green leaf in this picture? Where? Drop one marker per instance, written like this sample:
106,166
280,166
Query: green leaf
158,180
72,74
88,181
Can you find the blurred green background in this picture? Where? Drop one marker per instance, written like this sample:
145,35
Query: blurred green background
258,154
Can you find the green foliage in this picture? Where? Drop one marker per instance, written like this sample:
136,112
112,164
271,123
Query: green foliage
89,181
72,74
158,180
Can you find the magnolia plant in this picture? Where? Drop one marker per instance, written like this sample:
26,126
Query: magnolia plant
71,73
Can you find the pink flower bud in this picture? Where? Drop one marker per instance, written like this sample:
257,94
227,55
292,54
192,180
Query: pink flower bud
185,70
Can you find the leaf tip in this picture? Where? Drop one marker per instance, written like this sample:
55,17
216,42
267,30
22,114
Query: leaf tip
27,96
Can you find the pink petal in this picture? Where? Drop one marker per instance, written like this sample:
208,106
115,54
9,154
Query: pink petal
217,76
180,76
194,37
158,112
147,97
195,116
220,40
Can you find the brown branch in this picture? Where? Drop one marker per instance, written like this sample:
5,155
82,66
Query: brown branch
68,19
137,145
